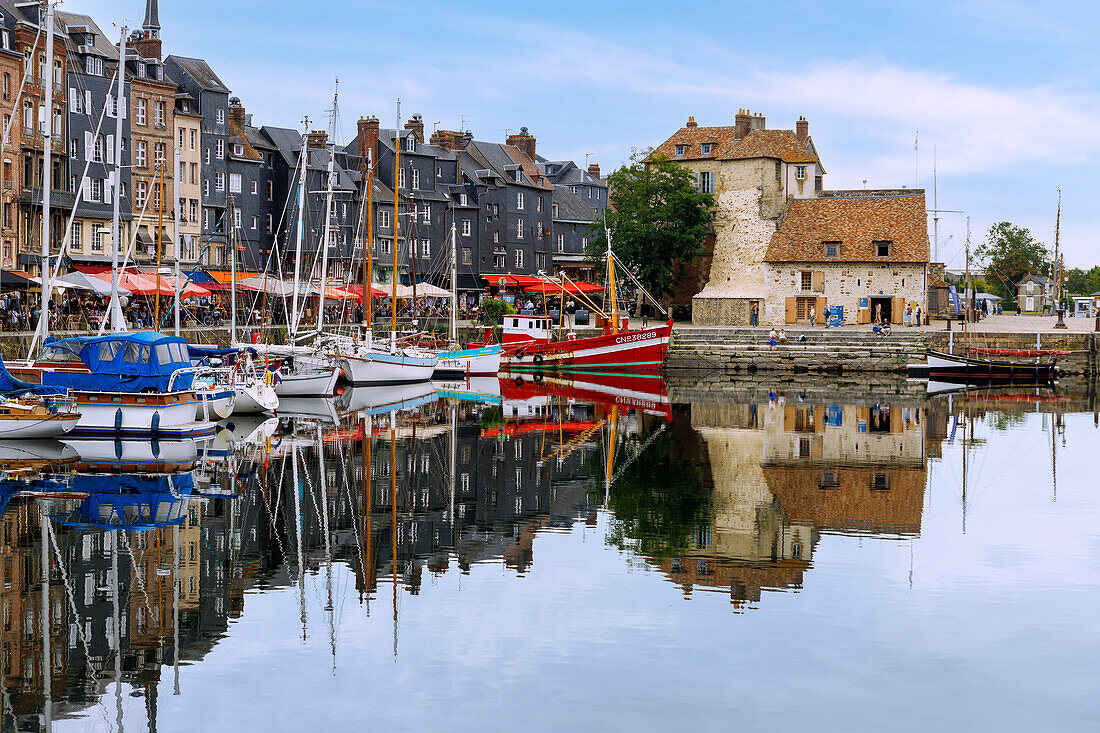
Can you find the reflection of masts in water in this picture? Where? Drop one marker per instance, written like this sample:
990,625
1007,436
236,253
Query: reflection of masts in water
454,469
47,667
116,631
176,609
298,528
966,426
1054,454
328,550
368,506
612,434
393,516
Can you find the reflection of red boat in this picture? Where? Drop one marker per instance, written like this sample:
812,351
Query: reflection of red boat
628,391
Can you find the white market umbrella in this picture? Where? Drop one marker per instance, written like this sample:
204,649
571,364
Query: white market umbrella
80,281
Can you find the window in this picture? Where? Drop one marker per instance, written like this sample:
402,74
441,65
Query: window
705,148
236,218
254,187
234,183
384,246
140,154
679,154
806,281
554,210
158,114
159,154
706,182
882,249
270,223
800,172
425,248
140,189
778,171
270,190
561,242
466,227
463,200
255,222
219,182
219,116
416,177
75,244
832,249
194,173
584,242
498,260
191,140
180,144
74,147
238,149
410,144
206,187
99,240
206,219
519,258
519,201
219,149
193,210
139,114
467,256
519,228
383,219
401,178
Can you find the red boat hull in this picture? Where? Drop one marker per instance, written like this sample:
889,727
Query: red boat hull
625,352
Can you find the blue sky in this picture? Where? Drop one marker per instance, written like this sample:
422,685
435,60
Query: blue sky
1006,92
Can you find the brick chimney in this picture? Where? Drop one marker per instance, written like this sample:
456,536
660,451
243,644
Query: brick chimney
367,136
594,169
524,141
416,124
317,140
757,123
802,130
145,44
236,111
691,122
741,124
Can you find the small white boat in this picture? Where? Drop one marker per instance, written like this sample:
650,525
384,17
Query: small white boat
370,367
481,362
300,384
36,417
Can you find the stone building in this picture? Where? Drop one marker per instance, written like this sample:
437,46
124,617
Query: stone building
866,251
571,232
11,72
761,178
1034,294
152,105
92,62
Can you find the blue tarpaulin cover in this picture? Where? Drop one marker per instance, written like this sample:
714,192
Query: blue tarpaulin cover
124,362
12,387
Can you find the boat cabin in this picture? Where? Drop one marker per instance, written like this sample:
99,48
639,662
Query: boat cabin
520,329
122,362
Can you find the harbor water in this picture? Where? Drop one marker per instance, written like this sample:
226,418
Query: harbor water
600,554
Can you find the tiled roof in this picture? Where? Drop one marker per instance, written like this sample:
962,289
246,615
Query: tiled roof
534,175
235,131
857,222
725,145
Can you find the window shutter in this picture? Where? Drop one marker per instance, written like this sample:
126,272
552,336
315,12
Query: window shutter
122,106
109,188
89,144
109,104
87,101
87,189
43,122
72,97
819,282
111,149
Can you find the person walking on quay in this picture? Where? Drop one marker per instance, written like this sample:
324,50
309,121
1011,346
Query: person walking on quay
813,316
918,314
907,318
772,337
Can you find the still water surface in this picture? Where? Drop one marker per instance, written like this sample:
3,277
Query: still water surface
561,557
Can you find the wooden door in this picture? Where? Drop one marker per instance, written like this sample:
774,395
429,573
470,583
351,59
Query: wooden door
820,307
792,305
897,308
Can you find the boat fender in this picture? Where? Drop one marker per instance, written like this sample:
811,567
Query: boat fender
538,359
538,377
519,381
519,353
118,420
154,423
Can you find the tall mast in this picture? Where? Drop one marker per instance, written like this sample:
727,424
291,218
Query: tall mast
176,237
1056,266
232,272
160,231
936,210
325,238
118,323
967,295
368,238
303,161
611,281
454,278
396,227
47,166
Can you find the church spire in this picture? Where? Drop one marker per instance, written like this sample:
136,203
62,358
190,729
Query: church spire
152,19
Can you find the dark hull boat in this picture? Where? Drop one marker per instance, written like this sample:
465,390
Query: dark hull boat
954,368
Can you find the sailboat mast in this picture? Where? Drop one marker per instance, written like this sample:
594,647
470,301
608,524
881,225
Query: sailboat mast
118,323
396,227
303,161
176,238
611,282
47,663
967,295
454,279
1056,266
47,170
232,273
325,238
160,231
368,236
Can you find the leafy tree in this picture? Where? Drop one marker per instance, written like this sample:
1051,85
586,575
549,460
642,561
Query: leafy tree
1009,253
1081,282
658,221
493,311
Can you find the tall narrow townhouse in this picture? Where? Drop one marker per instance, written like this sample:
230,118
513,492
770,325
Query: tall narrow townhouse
210,96
11,136
251,187
188,125
94,177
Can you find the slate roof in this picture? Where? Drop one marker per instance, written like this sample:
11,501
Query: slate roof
857,222
103,45
201,72
725,145
1041,279
571,207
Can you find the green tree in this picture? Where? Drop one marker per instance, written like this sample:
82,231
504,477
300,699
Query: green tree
658,220
1009,253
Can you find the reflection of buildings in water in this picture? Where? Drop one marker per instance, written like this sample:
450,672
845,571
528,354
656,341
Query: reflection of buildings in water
784,473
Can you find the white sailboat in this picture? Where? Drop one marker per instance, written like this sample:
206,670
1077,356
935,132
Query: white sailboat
465,363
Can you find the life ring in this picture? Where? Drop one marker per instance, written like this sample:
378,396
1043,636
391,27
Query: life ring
519,381
519,353
538,359
537,377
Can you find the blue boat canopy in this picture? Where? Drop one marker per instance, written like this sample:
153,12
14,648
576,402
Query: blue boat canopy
12,387
123,362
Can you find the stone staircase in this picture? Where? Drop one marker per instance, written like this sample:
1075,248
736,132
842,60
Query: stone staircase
807,350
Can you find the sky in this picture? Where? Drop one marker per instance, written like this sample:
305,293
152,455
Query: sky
1003,96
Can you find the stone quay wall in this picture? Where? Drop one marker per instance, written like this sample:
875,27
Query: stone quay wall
746,351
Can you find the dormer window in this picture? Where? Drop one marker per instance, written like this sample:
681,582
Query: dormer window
238,149
140,68
680,151
706,148
882,249
410,144
832,249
